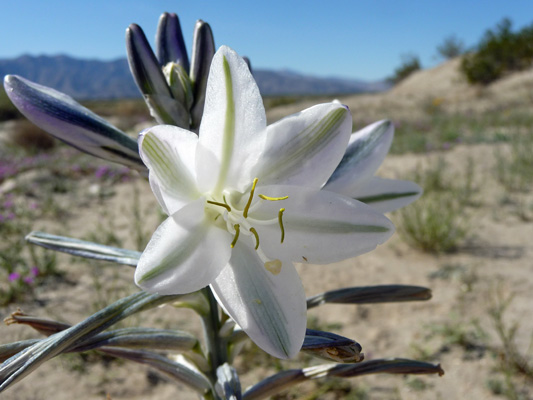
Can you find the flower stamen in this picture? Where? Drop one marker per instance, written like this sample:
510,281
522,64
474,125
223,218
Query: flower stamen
245,212
280,215
237,231
273,198
216,203
252,229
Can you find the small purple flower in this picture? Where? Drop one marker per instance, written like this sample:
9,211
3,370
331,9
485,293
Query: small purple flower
8,203
13,276
11,216
101,171
34,271
28,279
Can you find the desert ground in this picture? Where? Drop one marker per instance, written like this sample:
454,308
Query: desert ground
476,325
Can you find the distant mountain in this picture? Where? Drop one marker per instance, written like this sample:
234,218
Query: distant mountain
272,82
94,79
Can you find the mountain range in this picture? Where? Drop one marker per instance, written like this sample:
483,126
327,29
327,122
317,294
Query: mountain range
95,79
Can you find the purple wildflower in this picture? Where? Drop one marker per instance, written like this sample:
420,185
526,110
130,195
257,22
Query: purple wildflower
13,276
28,279
34,271
101,171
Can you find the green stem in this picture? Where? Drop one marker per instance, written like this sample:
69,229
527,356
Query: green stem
216,347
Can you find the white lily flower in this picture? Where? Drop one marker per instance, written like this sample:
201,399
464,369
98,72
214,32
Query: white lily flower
244,202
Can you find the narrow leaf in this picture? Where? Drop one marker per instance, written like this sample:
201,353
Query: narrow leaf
371,294
23,363
84,248
380,366
175,370
283,380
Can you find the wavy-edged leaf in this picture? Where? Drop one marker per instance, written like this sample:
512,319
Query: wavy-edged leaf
84,248
70,122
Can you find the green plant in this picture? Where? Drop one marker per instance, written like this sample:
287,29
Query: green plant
436,224
451,47
499,51
514,169
410,63
512,361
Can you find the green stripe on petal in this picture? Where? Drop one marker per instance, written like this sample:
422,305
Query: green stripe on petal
309,141
229,129
385,197
164,163
331,227
182,252
310,154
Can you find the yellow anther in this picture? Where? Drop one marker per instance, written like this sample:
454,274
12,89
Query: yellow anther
280,215
273,198
237,231
216,203
245,213
256,237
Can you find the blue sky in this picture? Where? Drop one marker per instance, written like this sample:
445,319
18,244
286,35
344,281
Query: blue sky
354,39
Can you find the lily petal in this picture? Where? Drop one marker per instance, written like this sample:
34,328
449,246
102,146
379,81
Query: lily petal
168,152
233,116
64,118
385,195
270,308
185,254
320,227
170,45
365,153
305,148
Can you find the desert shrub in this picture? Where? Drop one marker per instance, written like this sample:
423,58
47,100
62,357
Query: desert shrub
499,51
410,63
435,224
514,169
451,47
438,223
